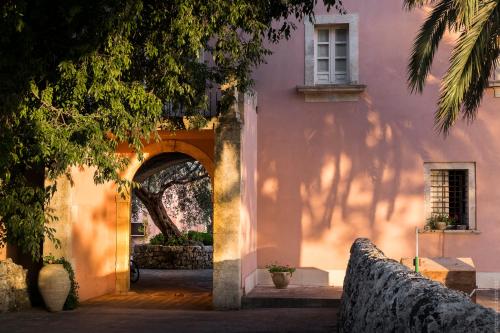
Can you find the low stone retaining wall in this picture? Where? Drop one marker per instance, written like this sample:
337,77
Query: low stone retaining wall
173,257
381,295
13,287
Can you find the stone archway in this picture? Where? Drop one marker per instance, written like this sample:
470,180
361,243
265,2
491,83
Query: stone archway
221,157
94,221
168,144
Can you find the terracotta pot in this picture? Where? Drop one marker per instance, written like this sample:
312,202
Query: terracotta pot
441,225
54,285
281,279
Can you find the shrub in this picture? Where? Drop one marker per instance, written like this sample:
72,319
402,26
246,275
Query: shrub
174,241
158,239
204,237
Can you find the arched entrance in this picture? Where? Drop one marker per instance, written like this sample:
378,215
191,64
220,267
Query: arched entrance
94,220
198,145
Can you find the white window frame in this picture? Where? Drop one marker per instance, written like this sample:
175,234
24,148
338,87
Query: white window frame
330,77
348,21
471,177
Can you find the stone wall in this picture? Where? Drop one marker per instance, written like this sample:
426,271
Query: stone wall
173,257
381,295
13,287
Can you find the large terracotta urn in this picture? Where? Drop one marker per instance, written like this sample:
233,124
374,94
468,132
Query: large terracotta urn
54,285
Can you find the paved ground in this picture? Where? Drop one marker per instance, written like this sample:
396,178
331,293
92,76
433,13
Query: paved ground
164,289
180,301
110,320
167,301
297,292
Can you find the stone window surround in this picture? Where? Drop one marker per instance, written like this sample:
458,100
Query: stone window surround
352,21
471,168
495,83
331,92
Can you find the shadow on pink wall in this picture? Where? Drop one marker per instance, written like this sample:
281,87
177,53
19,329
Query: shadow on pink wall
332,172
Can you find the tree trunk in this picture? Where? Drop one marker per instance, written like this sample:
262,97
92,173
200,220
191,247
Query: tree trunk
158,213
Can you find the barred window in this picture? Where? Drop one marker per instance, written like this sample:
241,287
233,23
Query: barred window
449,194
450,190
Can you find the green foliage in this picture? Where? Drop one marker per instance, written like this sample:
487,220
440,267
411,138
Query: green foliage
79,77
473,59
185,191
71,302
433,220
160,239
277,268
204,237
184,239
193,201
177,240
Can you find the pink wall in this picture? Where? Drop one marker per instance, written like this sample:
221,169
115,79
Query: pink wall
249,193
332,172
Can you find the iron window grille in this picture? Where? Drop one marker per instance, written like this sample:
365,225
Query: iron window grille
449,194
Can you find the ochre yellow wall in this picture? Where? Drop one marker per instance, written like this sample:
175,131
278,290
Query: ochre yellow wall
99,218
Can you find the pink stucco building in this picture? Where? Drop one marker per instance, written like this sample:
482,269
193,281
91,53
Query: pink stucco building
362,159
331,147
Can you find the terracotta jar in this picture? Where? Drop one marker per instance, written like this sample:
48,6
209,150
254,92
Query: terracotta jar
54,285
281,279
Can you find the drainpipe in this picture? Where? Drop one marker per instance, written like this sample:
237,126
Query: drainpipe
415,261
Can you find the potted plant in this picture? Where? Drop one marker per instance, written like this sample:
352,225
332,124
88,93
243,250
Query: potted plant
281,275
439,221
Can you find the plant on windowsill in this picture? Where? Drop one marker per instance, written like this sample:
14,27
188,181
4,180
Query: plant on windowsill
281,275
439,222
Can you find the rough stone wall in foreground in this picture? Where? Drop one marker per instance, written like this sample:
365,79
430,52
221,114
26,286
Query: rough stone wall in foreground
13,287
173,257
381,295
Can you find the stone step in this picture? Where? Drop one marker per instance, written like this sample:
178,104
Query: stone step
292,297
273,302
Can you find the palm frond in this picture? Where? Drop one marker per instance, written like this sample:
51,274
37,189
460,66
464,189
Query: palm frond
426,43
466,11
471,63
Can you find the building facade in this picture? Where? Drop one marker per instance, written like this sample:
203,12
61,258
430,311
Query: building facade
346,151
331,147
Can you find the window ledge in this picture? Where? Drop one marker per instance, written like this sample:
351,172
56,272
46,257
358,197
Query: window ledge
495,84
461,232
331,92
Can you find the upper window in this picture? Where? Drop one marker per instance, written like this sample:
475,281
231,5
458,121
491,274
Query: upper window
332,53
450,191
331,50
